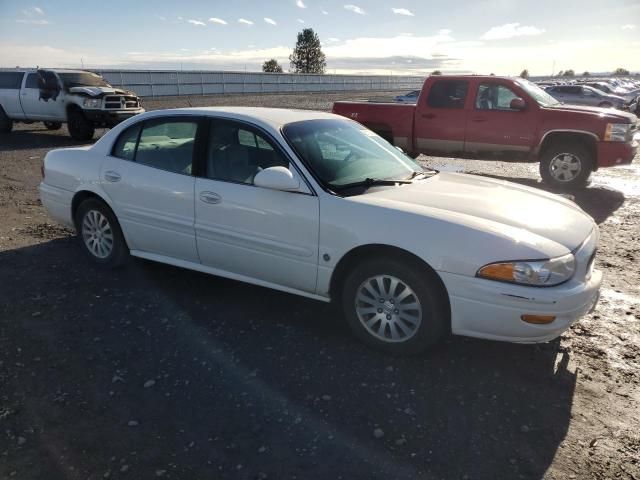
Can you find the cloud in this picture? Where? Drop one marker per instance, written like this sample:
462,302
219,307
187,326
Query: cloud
270,21
628,26
332,40
444,31
33,16
33,21
160,17
217,20
197,23
402,11
354,9
245,21
300,4
300,20
510,30
324,12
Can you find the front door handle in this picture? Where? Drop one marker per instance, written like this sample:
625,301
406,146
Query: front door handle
479,119
210,197
428,115
111,176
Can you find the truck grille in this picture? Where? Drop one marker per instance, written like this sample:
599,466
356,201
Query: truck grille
121,102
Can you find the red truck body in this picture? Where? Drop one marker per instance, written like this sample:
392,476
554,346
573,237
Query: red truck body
488,116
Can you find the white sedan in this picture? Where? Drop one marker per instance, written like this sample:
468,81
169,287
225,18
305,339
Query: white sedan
315,204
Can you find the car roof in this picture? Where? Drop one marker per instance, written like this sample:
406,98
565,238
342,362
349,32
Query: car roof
275,117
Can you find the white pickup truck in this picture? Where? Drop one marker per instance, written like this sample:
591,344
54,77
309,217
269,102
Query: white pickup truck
81,99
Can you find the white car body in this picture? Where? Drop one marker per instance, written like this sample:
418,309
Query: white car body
293,241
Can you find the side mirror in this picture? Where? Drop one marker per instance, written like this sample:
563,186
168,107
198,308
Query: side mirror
517,104
277,178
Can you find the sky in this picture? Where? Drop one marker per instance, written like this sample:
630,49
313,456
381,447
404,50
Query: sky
376,36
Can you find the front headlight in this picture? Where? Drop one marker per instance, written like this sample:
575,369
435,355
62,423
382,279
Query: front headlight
616,132
92,102
539,273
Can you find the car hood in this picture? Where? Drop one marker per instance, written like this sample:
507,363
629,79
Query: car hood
607,113
503,203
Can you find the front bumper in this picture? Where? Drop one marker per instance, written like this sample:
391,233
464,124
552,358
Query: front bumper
110,118
611,154
492,310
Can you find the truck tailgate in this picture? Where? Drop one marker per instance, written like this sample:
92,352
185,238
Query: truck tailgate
392,121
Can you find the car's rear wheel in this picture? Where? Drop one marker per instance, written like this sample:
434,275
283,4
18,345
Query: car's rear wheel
566,165
6,124
79,127
100,235
395,307
53,125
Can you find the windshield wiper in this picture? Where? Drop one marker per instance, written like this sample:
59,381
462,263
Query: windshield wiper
370,182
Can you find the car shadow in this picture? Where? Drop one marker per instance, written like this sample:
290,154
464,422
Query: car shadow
599,202
27,137
249,381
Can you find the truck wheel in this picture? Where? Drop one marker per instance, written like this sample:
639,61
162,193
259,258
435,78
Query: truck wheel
79,127
395,307
53,125
6,124
566,165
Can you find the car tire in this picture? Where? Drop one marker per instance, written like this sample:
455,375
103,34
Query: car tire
389,322
605,105
566,165
100,235
79,127
53,125
6,124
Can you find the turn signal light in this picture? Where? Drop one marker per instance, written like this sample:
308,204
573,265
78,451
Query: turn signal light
498,271
538,319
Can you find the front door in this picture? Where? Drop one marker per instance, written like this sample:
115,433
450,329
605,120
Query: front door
266,235
148,179
493,126
440,121
42,97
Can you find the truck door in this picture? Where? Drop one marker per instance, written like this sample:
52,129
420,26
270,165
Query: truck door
495,125
441,117
42,96
10,83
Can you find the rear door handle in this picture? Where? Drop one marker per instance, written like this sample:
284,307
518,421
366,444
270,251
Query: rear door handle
111,176
479,119
428,115
210,197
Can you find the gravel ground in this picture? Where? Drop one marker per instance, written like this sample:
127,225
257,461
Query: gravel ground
155,372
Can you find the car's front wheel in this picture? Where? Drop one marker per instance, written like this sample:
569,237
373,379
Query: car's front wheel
100,234
79,127
566,165
395,307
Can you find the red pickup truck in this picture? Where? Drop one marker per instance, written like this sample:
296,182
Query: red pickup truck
506,118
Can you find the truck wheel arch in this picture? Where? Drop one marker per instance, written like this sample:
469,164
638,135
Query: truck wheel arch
588,139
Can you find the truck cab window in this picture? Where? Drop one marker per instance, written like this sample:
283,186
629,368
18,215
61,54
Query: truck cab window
494,97
448,94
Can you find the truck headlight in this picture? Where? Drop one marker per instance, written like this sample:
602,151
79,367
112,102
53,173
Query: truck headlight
92,102
539,273
616,132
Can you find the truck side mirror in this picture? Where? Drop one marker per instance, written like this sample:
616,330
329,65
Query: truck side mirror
517,104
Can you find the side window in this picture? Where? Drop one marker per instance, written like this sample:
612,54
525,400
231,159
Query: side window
125,146
237,154
32,81
494,97
167,144
448,94
11,80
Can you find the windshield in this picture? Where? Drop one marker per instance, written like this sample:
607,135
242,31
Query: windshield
341,153
539,95
82,79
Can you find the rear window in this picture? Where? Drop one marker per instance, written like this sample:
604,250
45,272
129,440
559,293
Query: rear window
448,94
11,80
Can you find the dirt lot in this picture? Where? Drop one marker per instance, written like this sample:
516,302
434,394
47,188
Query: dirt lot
155,372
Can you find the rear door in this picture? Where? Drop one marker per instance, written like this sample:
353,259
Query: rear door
42,96
10,83
148,178
441,117
493,126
